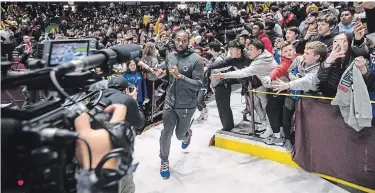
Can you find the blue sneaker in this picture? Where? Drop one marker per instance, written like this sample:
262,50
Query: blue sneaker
185,144
164,170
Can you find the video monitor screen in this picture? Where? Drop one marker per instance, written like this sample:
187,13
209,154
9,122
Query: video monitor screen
65,52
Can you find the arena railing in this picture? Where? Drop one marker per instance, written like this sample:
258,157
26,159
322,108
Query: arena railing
326,145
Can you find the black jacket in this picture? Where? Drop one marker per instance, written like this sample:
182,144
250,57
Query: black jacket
328,40
238,63
330,77
21,49
299,45
134,115
273,35
370,81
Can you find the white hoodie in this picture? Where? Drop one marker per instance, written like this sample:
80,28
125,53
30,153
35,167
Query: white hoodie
261,67
306,79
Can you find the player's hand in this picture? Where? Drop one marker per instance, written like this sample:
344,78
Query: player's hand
280,85
174,71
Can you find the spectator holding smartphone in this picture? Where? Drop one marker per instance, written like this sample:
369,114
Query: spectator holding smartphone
345,49
134,77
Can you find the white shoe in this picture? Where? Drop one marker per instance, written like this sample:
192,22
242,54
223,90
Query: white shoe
267,133
203,115
262,127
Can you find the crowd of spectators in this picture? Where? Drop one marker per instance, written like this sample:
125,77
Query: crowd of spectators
309,46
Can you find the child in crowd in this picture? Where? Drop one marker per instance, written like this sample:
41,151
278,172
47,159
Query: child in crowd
134,77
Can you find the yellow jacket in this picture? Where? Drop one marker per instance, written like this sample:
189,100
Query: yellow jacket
156,27
146,19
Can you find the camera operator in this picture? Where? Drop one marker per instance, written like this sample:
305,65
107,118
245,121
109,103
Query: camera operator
118,93
100,144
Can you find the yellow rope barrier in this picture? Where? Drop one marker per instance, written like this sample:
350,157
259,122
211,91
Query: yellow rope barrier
303,96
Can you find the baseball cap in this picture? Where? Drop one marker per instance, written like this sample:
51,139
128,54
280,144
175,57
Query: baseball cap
118,82
287,8
312,7
313,13
215,46
244,33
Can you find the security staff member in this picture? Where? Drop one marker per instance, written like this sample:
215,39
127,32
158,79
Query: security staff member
237,60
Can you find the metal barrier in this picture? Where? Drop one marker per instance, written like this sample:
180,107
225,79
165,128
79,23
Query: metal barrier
326,145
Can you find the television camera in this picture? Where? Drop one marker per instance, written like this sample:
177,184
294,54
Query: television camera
38,142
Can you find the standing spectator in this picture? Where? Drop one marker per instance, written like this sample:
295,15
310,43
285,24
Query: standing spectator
327,30
293,36
289,19
135,78
270,30
302,75
344,52
7,37
258,32
347,21
309,24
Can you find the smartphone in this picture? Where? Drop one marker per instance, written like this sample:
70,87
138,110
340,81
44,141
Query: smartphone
338,46
132,88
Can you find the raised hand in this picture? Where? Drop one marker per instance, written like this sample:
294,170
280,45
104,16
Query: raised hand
280,85
359,30
217,76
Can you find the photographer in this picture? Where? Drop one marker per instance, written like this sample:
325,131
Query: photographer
100,144
118,93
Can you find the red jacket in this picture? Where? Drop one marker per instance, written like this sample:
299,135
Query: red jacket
282,69
289,19
267,42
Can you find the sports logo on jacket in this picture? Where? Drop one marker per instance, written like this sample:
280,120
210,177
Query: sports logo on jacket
346,81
